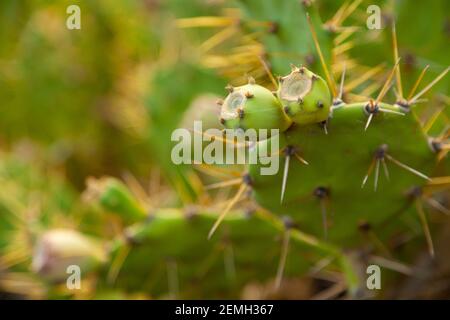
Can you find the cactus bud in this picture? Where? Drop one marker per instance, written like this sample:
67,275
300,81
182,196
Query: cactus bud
305,96
114,196
253,106
57,249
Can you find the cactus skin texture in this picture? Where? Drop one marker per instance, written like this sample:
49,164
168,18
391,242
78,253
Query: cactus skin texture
342,179
228,260
282,31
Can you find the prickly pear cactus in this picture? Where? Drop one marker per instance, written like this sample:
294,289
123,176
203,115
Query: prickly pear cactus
169,250
361,171
347,167
158,253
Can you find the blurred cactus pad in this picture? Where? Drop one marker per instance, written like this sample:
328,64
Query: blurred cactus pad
355,96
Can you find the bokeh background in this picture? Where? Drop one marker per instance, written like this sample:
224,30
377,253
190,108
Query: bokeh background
103,101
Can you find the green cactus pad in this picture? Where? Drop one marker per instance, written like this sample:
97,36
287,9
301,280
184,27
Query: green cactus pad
287,20
338,169
171,237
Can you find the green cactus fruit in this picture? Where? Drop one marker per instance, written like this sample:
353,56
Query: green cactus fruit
253,106
57,249
305,96
115,197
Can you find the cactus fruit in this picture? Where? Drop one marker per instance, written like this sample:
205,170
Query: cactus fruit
58,249
305,96
252,106
114,197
